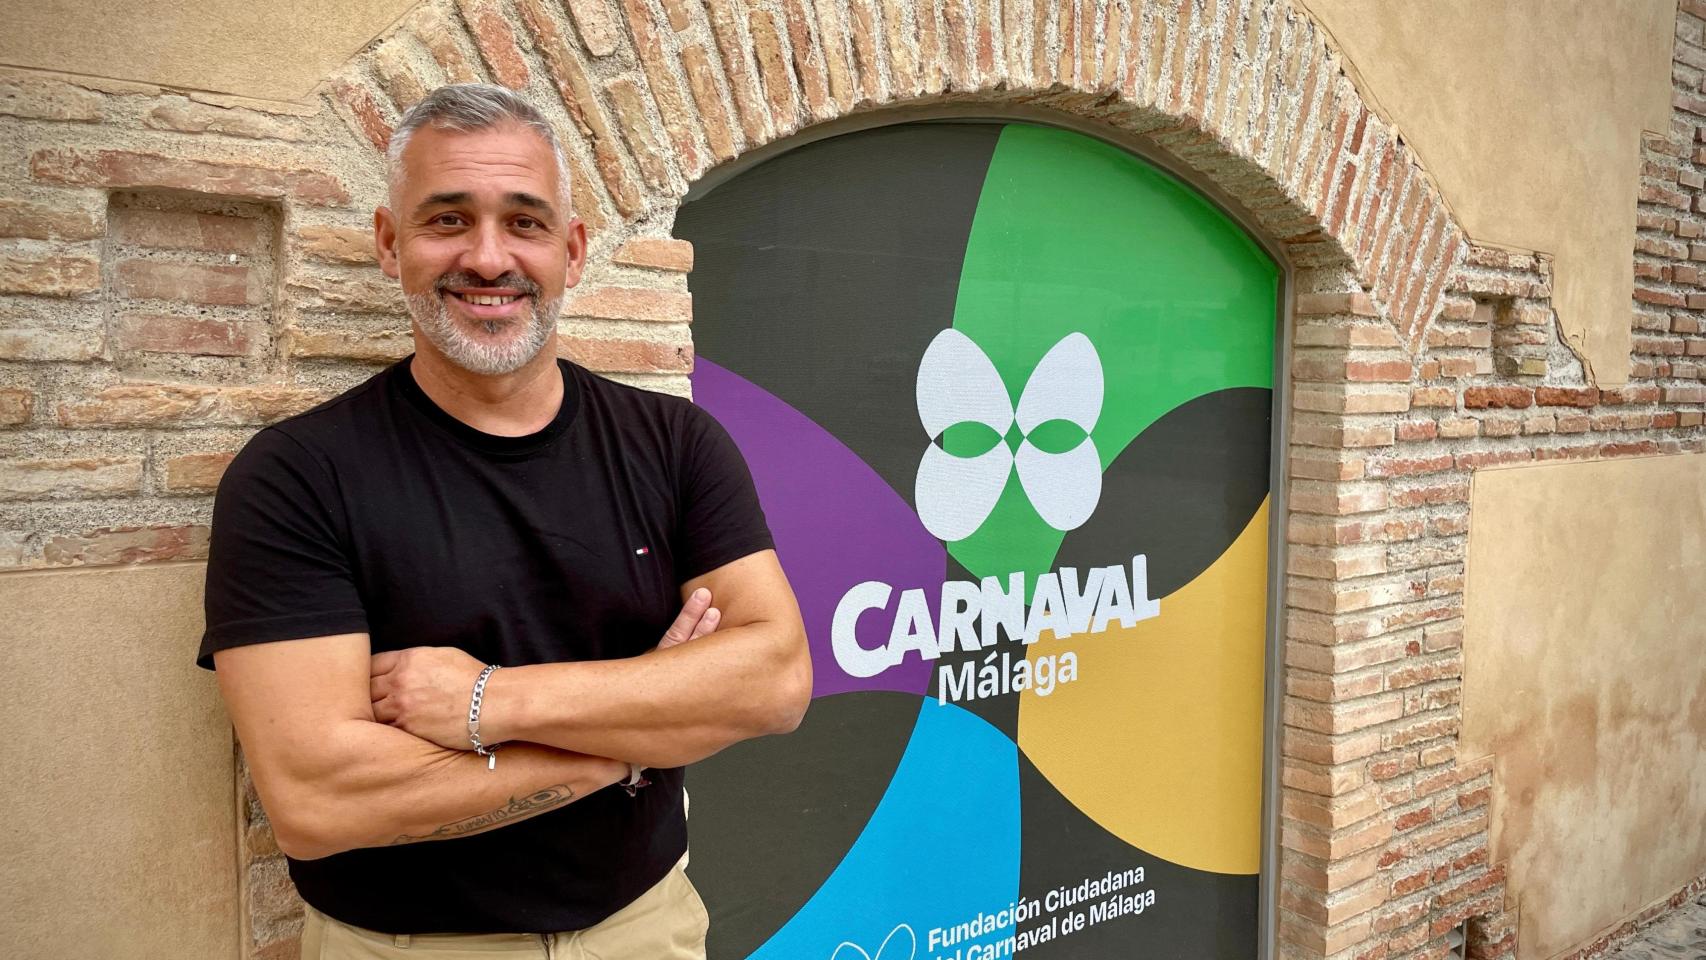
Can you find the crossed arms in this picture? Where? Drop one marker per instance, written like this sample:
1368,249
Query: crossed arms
349,750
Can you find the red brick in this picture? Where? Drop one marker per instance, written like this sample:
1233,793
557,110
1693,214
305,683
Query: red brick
656,253
1480,398
679,120
335,244
397,73
1457,428
1566,396
636,126
43,270
1409,466
1663,298
383,346
725,16
1630,394
1433,397
631,303
702,83
1356,304
597,27
81,477
220,285
584,107
496,42
863,28
1417,731
109,545
1317,433
357,291
440,38
159,404
773,71
1412,430
1500,427
1378,371
1637,449
362,112
678,12
16,406
63,220
1342,717
118,169
185,116
176,230
627,356
163,333
196,472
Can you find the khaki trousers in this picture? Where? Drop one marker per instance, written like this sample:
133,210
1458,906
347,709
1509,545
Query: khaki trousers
668,922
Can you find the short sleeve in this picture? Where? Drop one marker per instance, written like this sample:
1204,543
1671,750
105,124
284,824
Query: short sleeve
719,517
277,568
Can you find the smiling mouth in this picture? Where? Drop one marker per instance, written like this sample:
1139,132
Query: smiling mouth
485,301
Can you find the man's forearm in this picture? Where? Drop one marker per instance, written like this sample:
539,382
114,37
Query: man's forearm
665,709
374,785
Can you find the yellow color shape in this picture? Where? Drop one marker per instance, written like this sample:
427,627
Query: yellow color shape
1159,739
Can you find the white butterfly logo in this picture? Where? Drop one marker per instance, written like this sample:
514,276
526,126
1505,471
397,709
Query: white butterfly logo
957,384
883,952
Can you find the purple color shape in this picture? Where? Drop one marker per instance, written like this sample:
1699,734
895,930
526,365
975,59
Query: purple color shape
836,524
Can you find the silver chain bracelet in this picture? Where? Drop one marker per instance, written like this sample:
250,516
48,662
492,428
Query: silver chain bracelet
491,752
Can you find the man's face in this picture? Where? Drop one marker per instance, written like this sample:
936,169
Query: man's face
479,238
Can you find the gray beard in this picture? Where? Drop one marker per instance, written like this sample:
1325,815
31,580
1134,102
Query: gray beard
485,357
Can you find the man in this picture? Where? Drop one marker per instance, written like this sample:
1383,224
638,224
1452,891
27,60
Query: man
483,505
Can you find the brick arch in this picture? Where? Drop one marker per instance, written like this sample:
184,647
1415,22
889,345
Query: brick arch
1248,94
1251,98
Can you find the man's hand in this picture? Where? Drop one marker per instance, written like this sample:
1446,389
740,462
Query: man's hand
696,619
426,690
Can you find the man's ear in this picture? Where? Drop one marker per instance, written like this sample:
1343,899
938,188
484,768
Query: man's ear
385,240
575,263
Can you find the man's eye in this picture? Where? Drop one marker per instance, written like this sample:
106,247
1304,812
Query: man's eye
447,220
527,223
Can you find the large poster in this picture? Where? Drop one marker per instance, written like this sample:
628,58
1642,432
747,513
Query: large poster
1006,393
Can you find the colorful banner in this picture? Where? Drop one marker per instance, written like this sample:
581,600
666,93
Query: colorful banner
1005,391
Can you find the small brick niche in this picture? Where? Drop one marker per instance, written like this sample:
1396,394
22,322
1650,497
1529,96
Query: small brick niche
190,283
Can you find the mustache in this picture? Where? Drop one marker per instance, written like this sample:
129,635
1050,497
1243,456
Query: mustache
463,278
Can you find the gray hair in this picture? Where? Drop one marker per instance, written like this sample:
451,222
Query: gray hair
473,106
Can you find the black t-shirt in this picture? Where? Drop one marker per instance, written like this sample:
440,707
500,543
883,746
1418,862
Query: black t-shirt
378,512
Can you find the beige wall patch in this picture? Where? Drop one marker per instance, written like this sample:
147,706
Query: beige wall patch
121,837
1529,113
1582,677
269,51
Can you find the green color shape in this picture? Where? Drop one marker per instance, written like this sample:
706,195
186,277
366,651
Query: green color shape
969,439
1072,234
1057,436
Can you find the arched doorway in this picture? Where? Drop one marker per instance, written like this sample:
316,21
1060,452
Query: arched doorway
1006,391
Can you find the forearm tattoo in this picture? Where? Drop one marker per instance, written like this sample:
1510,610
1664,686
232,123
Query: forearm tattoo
517,808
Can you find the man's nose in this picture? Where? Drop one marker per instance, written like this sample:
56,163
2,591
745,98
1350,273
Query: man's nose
487,255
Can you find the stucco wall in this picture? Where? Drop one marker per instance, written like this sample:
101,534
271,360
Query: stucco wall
1583,677
275,51
118,796
1529,115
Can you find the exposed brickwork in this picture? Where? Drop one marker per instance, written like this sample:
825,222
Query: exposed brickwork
183,270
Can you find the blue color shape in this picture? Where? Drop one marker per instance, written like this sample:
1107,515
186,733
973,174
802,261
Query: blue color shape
941,848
